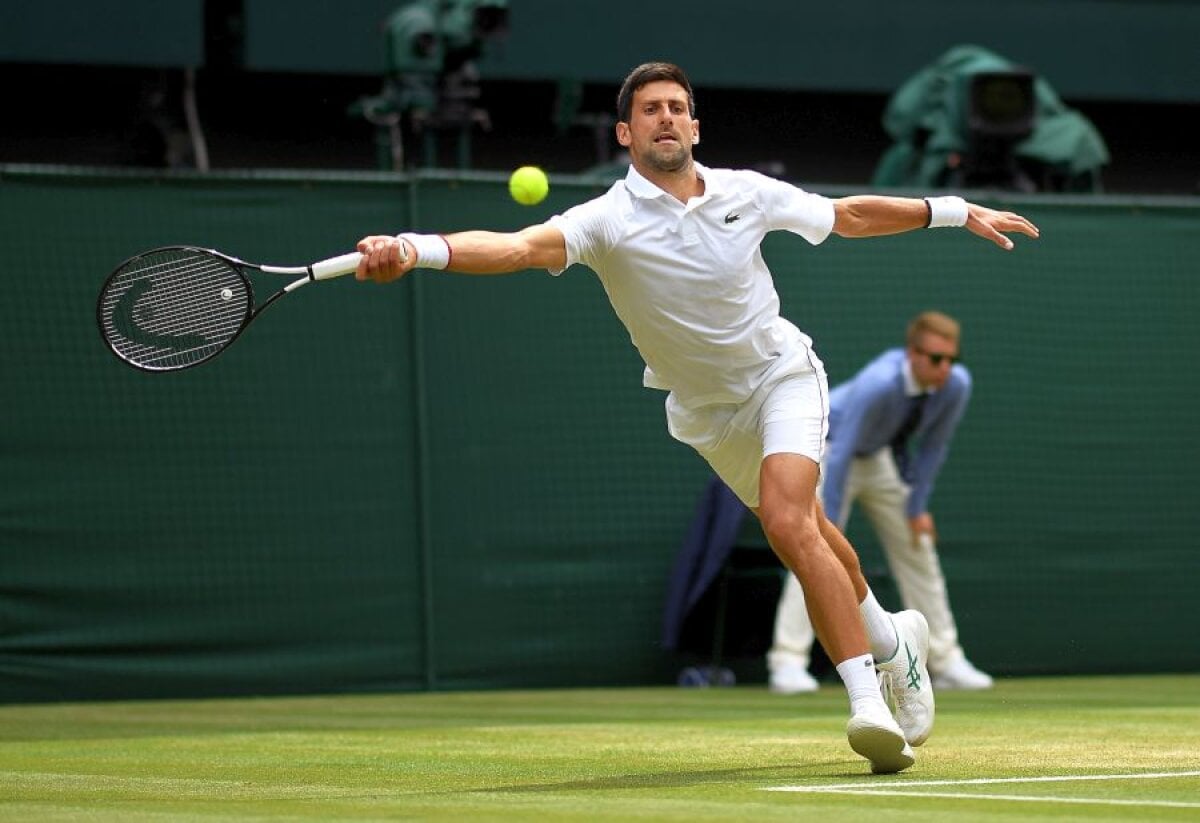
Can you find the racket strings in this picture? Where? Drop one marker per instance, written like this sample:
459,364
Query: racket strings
173,308
175,304
173,312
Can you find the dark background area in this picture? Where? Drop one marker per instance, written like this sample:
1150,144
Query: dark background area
87,115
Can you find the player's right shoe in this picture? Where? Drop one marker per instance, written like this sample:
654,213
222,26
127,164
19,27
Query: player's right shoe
875,735
905,678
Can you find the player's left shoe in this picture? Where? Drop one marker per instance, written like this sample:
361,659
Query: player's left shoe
905,678
874,734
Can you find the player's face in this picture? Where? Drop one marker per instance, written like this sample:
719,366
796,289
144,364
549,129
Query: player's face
932,359
660,132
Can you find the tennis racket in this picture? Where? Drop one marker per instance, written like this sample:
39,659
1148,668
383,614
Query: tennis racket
175,307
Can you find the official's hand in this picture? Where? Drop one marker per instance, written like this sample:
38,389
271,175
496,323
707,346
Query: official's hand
922,528
991,225
385,258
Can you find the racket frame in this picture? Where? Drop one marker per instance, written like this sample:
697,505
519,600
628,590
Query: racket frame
320,270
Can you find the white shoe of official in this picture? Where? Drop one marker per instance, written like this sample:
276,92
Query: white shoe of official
792,678
874,734
961,675
905,682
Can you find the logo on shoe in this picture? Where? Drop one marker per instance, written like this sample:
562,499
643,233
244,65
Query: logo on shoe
913,675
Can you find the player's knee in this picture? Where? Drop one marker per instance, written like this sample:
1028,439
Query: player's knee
790,526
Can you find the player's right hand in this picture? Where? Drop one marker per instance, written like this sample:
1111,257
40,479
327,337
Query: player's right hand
385,258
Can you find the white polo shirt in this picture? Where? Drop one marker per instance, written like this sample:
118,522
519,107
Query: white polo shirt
689,281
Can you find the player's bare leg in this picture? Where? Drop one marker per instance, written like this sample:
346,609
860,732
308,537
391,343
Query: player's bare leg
792,522
900,643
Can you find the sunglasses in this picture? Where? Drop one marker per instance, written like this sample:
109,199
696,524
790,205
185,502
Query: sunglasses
936,357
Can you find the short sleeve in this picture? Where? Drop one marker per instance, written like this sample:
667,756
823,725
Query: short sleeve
793,209
588,231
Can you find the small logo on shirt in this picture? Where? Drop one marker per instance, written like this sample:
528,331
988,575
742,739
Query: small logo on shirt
732,217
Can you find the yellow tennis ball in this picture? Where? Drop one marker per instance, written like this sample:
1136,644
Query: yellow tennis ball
528,185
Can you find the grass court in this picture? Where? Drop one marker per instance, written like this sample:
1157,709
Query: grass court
1033,749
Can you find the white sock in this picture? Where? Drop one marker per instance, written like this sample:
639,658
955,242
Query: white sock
880,631
858,673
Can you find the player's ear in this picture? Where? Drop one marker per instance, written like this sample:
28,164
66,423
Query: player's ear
695,132
623,136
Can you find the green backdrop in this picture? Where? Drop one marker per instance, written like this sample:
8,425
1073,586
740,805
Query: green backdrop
453,482
1133,50
1090,49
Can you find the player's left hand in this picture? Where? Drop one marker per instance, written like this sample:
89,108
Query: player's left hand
992,225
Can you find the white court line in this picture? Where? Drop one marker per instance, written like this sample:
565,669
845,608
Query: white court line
1173,804
907,789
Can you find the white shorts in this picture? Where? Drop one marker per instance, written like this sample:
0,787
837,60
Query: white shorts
787,413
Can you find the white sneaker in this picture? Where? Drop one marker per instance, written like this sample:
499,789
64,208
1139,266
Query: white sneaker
906,682
792,678
874,734
962,675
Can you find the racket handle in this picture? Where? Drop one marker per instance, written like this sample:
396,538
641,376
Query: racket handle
335,266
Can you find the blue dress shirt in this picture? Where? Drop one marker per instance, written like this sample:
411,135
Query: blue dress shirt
865,413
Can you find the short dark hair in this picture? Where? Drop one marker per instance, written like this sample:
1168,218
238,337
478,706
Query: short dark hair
650,73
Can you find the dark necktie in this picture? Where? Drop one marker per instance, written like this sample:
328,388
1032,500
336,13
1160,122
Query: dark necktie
899,442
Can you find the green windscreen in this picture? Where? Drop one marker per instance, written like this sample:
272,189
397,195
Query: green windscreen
454,482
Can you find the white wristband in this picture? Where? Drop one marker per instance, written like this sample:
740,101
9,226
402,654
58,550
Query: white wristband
433,251
946,212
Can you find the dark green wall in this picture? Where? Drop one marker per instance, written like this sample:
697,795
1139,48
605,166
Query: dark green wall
1100,49
1129,50
124,33
454,483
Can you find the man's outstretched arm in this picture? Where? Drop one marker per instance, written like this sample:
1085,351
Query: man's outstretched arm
872,215
386,258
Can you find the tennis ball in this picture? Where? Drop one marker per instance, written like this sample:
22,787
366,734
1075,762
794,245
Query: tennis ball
528,185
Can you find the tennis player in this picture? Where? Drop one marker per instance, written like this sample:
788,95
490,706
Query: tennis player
676,247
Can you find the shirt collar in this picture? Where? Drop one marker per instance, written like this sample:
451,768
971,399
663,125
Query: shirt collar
639,186
911,387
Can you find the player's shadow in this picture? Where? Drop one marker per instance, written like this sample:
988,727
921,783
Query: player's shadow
790,773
